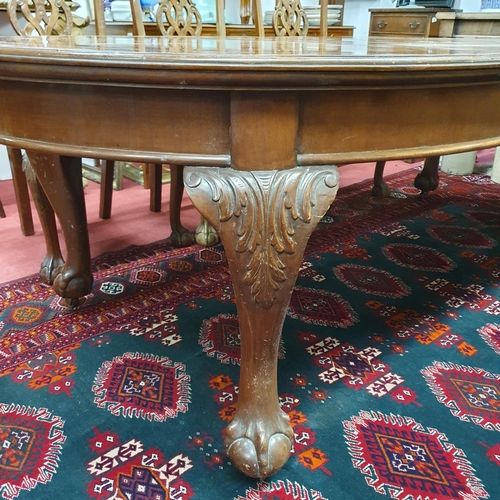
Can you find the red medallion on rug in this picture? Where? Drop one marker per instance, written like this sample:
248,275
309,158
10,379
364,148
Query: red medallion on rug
31,440
142,385
220,338
461,236
403,459
320,307
130,471
472,394
491,334
418,257
371,280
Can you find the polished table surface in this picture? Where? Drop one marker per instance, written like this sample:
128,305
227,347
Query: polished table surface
260,124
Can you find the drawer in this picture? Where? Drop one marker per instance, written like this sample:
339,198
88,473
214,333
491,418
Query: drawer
407,24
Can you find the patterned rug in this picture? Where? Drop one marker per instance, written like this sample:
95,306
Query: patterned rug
389,365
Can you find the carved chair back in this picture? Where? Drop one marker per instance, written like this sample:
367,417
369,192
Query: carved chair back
173,17
182,18
42,17
289,19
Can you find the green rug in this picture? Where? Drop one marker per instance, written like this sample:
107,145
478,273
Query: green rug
389,365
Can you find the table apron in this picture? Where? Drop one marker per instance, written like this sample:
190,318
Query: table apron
248,130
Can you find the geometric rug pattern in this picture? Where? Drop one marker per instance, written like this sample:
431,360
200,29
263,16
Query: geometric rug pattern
389,363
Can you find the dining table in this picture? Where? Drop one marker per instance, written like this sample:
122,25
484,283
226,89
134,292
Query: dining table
260,124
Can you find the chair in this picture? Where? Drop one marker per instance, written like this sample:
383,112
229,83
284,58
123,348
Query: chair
53,17
182,18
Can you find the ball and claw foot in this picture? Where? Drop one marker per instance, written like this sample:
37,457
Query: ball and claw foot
205,235
425,183
182,238
50,267
381,190
71,285
258,450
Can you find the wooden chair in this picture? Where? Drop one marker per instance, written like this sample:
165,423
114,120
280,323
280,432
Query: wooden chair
182,18
179,18
53,17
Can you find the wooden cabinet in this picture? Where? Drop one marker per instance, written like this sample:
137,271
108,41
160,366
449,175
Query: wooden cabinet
404,22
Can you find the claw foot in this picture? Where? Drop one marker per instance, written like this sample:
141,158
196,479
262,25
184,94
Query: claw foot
426,183
259,450
71,284
50,267
206,235
381,190
182,237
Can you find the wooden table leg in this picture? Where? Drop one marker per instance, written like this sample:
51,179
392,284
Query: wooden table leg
264,219
61,180
180,236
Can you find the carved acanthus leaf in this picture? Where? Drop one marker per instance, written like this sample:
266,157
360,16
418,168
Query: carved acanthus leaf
263,210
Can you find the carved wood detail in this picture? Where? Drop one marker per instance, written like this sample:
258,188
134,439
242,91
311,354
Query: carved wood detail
178,17
43,17
289,19
264,207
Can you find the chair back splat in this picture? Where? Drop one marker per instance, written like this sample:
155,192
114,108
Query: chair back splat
182,18
289,19
42,17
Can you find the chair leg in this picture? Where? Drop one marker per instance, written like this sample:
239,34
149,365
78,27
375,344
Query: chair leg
2,211
145,175
205,234
428,179
380,188
107,174
21,191
180,237
155,185
53,258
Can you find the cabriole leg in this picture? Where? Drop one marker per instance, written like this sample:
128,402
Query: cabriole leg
61,180
264,220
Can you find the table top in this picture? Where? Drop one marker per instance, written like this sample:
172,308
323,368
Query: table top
344,99
211,61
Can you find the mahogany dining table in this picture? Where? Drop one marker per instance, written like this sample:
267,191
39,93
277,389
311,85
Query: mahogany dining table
260,125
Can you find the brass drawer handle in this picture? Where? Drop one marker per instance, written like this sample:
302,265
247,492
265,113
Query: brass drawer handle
414,25
382,24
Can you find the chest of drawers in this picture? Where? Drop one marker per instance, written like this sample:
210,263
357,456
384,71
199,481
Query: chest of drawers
404,22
